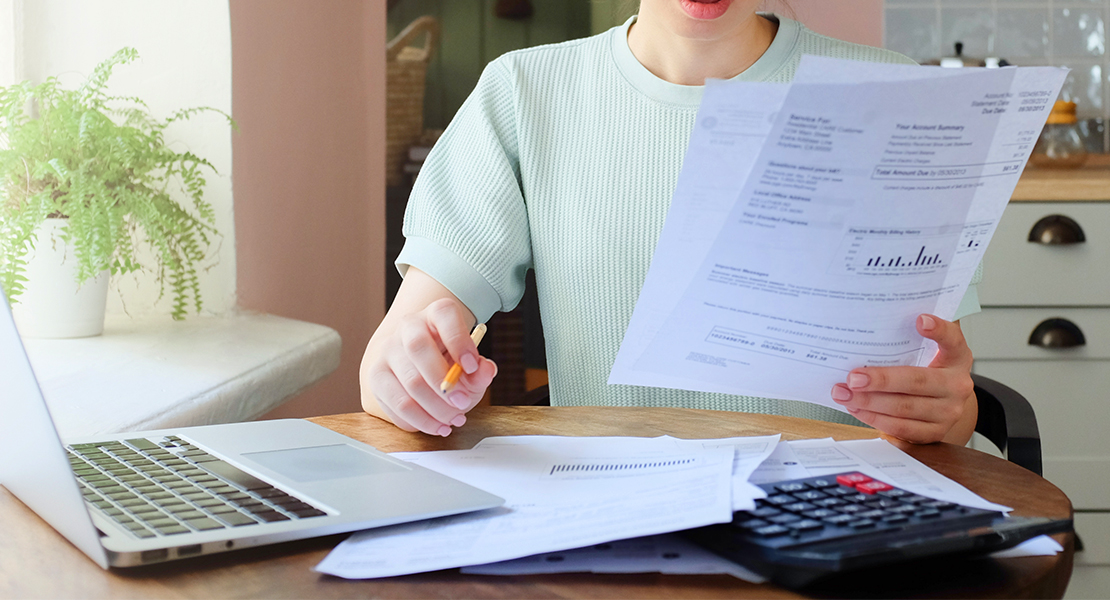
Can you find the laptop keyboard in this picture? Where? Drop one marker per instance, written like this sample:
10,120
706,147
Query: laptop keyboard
168,486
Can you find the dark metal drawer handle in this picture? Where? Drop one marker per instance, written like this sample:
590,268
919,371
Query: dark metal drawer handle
1057,333
1057,229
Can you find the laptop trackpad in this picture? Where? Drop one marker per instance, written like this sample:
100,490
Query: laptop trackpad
321,463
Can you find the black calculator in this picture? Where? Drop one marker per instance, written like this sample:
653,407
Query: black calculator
806,529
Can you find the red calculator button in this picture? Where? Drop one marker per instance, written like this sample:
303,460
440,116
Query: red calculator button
873,486
852,479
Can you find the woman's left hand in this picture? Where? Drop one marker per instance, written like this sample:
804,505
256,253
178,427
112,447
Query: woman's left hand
918,404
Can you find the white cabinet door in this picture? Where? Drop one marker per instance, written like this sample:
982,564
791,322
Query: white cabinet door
1003,333
1094,529
1017,272
1072,402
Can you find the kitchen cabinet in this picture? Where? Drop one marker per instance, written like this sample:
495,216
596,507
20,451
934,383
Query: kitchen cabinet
1045,330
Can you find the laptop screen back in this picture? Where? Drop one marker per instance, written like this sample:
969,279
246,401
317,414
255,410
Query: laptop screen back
33,462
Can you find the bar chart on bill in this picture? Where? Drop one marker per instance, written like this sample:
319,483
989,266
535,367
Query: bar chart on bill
894,252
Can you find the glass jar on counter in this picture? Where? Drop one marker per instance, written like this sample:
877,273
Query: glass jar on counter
1061,144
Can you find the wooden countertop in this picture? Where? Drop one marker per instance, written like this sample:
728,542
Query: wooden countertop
1091,182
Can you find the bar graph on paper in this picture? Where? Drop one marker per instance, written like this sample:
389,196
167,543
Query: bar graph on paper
908,251
922,259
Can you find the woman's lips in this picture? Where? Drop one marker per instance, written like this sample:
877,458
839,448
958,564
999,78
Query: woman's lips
705,9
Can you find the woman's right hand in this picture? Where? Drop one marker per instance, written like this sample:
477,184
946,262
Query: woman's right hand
426,331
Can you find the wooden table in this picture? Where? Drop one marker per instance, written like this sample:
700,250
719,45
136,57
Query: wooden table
36,562
1091,182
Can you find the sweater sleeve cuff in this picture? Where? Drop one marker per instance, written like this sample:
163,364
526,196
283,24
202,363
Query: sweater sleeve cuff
451,271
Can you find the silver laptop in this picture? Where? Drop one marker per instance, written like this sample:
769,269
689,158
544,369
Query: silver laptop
147,497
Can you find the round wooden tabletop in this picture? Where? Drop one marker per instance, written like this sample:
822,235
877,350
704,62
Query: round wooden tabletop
39,563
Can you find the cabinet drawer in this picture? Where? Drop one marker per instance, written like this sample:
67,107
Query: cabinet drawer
998,333
1094,529
1072,403
1017,272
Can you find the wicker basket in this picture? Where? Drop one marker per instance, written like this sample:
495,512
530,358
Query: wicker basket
406,68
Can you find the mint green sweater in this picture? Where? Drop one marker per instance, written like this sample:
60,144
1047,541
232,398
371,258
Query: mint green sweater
564,159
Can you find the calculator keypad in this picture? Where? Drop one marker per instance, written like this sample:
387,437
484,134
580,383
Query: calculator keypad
807,529
830,507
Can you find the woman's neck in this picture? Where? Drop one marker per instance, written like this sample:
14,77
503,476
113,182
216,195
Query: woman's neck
690,55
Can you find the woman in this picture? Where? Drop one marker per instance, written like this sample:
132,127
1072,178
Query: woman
564,159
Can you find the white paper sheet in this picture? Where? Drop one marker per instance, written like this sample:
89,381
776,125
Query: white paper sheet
1042,545
789,460
557,498
869,203
875,458
781,465
653,554
749,453
881,458
726,142
674,555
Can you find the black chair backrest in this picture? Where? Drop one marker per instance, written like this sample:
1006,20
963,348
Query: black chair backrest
1007,419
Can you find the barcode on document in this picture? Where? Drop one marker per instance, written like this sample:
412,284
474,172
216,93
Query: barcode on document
619,467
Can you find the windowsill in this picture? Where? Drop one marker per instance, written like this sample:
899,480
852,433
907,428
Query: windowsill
154,372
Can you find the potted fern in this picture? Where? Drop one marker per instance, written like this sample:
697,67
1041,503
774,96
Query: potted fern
90,177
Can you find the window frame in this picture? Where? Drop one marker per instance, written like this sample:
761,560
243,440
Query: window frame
11,48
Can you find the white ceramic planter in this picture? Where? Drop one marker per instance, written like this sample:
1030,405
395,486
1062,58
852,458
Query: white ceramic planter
52,305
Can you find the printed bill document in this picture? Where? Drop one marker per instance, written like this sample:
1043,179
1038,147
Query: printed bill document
814,221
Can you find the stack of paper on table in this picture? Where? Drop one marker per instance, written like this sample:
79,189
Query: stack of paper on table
558,495
566,493
790,460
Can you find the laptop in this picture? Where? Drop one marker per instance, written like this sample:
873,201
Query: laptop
147,497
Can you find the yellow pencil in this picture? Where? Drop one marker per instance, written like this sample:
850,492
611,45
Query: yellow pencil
453,374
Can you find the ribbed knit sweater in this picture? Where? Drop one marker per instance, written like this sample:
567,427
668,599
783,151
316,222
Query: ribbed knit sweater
564,159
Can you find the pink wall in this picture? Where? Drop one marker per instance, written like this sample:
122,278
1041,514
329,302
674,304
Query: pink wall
859,21
308,83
